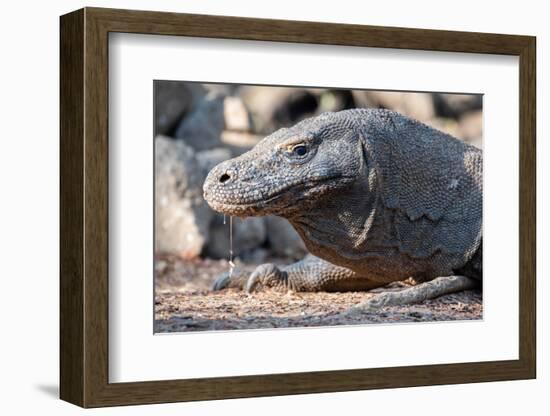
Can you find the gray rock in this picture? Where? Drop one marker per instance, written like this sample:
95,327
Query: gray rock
223,89
334,100
364,99
416,105
239,142
283,238
257,256
182,217
275,107
248,234
173,99
209,158
455,105
202,127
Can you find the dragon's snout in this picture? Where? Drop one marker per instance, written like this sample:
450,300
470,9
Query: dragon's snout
217,183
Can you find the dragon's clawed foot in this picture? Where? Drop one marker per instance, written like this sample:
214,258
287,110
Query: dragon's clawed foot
221,282
265,275
236,279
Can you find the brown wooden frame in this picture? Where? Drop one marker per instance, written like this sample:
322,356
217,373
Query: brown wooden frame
84,207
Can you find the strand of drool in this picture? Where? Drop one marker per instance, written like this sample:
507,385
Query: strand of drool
231,264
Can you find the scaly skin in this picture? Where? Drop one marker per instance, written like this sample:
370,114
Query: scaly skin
376,197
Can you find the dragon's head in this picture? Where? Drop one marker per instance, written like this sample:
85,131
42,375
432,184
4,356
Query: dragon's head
289,171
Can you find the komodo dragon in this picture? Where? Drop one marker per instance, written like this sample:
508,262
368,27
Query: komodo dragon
376,197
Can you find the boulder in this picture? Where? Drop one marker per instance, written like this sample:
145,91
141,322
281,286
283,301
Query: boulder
283,239
276,107
209,158
202,128
173,99
223,89
258,255
248,235
416,105
455,105
182,217
239,142
334,100
364,99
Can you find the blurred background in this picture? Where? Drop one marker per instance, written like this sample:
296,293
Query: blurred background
199,125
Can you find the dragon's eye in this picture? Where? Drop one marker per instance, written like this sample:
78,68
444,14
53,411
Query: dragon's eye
299,150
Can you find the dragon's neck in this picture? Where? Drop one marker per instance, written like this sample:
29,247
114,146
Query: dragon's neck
340,222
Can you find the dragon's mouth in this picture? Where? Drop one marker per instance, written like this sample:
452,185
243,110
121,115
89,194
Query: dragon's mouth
238,210
270,203
243,209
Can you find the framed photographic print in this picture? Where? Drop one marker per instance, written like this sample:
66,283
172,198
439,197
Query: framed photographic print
256,207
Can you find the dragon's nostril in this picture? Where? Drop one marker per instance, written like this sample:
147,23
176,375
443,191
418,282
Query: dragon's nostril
224,178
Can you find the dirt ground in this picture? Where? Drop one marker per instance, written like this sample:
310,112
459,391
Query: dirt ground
184,302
